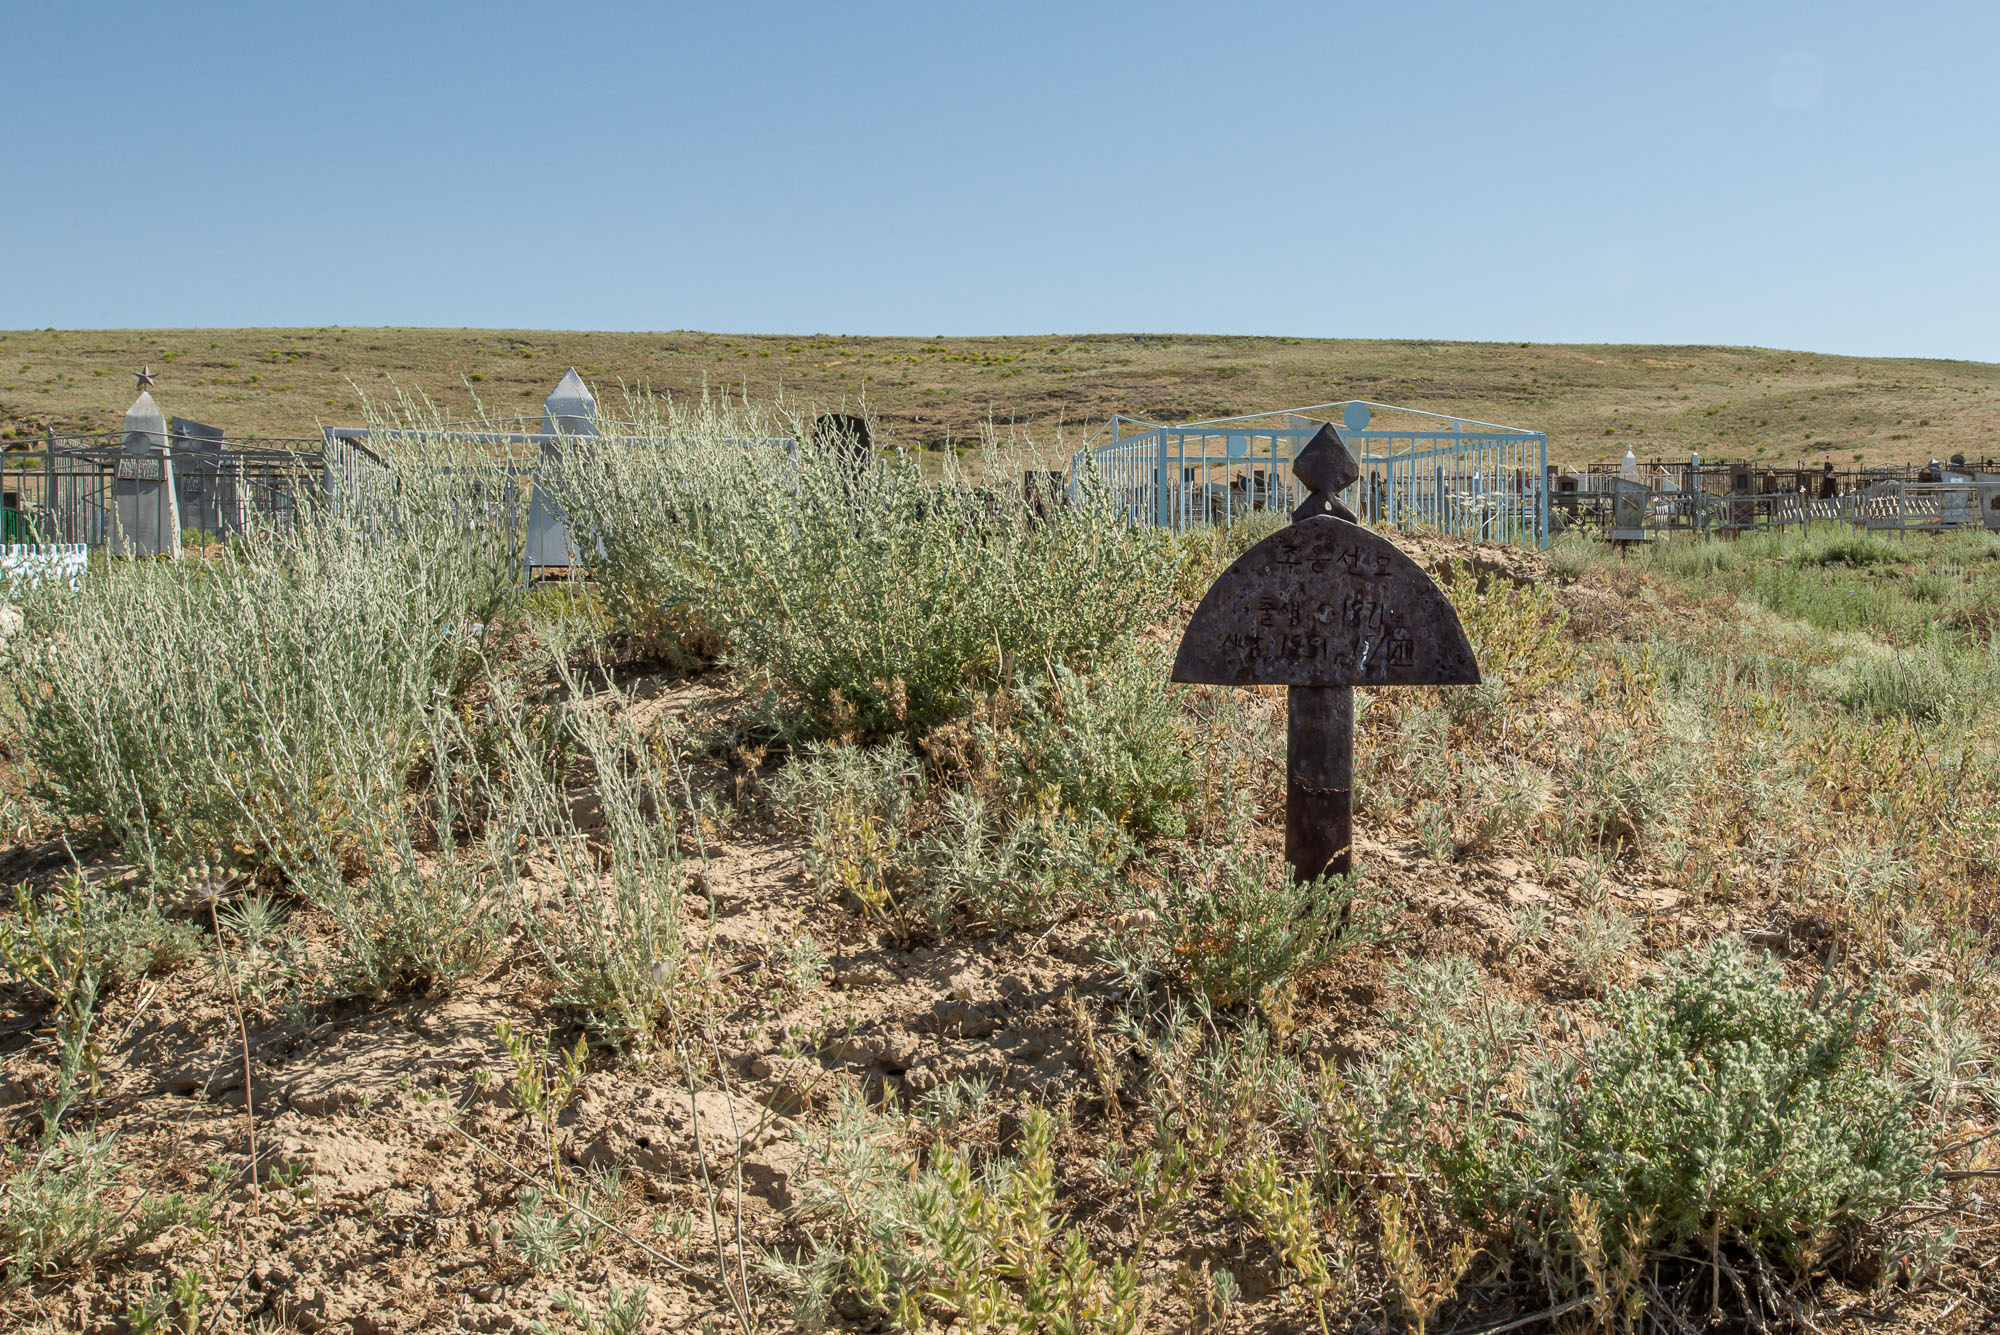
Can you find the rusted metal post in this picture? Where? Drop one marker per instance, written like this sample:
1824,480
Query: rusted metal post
1319,780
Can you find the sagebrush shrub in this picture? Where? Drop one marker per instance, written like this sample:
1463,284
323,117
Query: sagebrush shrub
959,859
1721,1103
866,600
1924,684
1019,869
1114,742
58,1206
608,920
1726,1098
885,779
206,705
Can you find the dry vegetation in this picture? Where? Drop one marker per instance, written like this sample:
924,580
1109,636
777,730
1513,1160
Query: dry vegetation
1749,403
827,917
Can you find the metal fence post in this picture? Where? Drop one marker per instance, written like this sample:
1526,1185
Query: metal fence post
1542,479
51,531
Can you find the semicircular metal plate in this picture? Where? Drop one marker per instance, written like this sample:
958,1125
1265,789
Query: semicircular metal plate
1325,603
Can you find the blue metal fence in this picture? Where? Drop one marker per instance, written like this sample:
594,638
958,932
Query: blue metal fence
1470,479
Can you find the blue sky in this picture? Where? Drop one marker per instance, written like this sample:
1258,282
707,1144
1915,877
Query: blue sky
1819,176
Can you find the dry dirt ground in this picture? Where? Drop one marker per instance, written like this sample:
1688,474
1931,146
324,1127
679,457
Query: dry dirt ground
391,1157
1593,400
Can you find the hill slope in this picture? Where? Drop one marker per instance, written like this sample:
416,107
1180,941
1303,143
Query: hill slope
1593,401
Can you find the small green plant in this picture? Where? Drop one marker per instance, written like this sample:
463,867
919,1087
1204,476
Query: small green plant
1289,1218
978,865
544,1082
1527,925
1425,1279
623,1313
995,1254
412,930
1602,944
540,1235
1244,928
610,933
1923,685
942,1238
78,938
188,1297
1519,633
57,1207
266,956
805,963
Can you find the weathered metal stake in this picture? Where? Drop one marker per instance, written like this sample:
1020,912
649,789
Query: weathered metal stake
1320,607
1319,780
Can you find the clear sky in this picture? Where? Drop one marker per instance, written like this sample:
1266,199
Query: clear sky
1820,176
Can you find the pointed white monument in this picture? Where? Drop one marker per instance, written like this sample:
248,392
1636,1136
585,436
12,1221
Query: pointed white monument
144,507
570,412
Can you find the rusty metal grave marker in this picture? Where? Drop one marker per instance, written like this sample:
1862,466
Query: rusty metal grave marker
1322,606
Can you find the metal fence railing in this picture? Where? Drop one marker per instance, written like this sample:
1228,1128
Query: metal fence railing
23,565
64,489
1470,479
1632,510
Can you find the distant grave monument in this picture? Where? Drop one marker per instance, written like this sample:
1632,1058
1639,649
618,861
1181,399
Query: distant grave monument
847,437
208,498
145,510
570,412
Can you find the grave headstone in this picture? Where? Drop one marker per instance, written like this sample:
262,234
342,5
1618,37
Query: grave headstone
1320,607
1629,504
847,435
145,507
199,477
1044,492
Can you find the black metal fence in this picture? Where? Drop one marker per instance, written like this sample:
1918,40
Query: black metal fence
61,489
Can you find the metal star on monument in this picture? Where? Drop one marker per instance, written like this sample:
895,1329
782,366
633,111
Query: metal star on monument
145,377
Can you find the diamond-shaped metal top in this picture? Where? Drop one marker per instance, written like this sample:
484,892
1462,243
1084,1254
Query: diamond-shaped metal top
1326,464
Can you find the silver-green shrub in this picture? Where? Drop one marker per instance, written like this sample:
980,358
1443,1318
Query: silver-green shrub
209,705
865,599
1245,927
959,858
605,910
1114,742
1721,1104
58,1207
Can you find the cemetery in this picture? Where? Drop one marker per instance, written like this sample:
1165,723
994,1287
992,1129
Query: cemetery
686,863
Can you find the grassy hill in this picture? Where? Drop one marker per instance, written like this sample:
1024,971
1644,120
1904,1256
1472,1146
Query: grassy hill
1594,401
